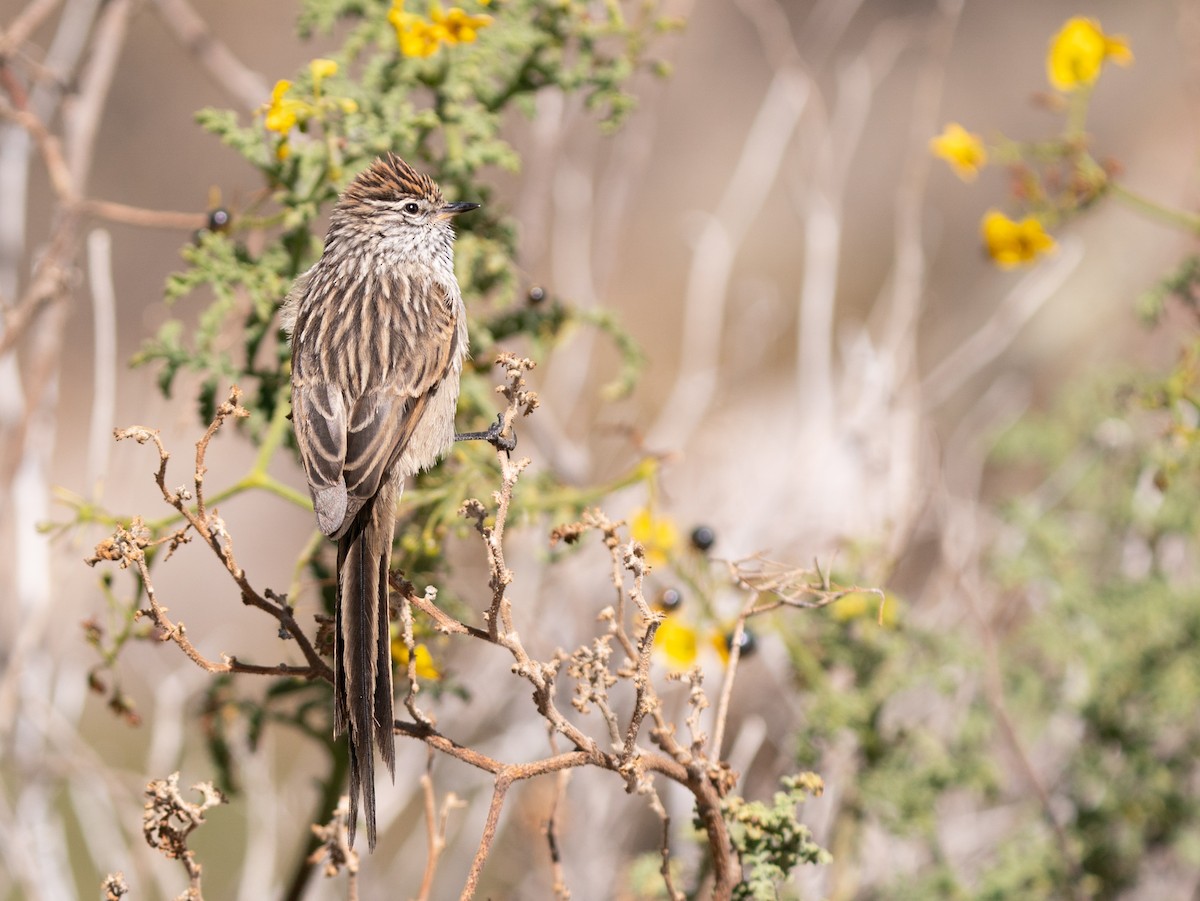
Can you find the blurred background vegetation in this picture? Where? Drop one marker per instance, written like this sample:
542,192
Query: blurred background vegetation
760,306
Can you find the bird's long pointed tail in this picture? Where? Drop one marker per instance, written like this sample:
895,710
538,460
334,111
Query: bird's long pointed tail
362,702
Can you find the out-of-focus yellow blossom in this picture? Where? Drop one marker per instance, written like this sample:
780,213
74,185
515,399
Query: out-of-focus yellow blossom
422,37
1078,52
426,669
321,69
866,605
282,111
963,150
678,643
1011,243
657,536
418,37
458,25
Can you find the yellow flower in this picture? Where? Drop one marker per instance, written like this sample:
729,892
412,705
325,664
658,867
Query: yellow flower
1012,243
1079,50
417,36
963,150
657,536
426,669
678,643
421,37
459,27
283,112
321,69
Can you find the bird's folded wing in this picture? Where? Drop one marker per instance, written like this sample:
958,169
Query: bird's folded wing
382,421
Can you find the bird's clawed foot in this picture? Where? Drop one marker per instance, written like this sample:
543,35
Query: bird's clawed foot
494,436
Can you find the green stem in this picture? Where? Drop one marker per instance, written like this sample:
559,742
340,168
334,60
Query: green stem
1077,110
310,550
1173,217
274,435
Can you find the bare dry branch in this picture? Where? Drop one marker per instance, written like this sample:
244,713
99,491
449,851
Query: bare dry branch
436,824
169,820
335,850
127,547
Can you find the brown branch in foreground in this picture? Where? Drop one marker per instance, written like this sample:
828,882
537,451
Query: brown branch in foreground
114,886
128,545
334,848
590,669
169,820
125,214
629,626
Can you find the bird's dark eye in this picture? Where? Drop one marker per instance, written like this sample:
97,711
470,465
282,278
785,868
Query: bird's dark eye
411,208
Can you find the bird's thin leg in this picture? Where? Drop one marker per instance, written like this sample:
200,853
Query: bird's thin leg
494,436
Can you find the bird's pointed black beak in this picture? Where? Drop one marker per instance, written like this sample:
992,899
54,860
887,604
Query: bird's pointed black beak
453,209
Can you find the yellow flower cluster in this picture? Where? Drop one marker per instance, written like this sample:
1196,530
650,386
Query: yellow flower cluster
1011,243
283,111
1076,55
422,36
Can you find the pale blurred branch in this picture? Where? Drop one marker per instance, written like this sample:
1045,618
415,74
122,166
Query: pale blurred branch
24,25
104,364
714,251
983,346
908,278
246,86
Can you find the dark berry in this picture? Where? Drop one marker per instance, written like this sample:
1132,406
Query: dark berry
218,219
669,600
749,642
703,538
537,294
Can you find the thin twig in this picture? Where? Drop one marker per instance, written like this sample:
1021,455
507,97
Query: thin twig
139,216
735,655
127,547
436,826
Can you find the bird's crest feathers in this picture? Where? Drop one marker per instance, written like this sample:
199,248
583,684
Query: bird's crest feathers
389,178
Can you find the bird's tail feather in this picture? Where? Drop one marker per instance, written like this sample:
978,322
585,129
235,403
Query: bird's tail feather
362,652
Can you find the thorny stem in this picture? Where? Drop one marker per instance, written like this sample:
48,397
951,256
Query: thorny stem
410,644
500,789
626,760
128,548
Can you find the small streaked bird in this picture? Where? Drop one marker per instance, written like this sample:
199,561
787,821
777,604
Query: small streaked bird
379,335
